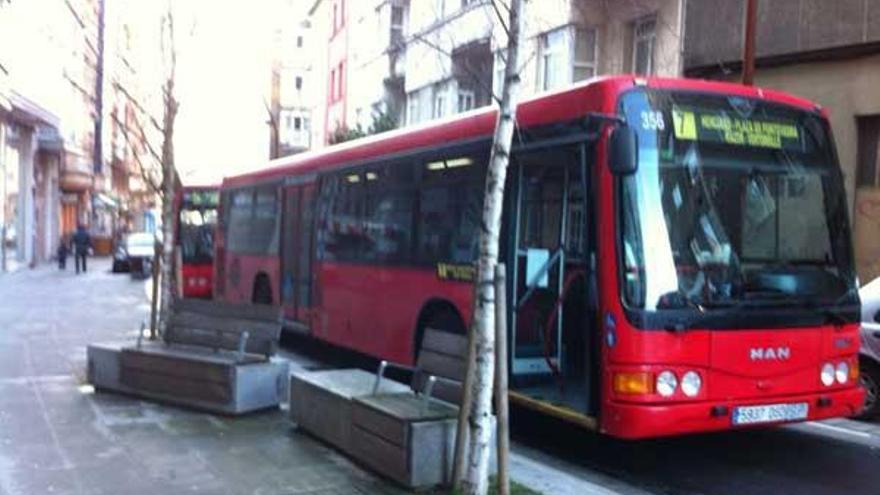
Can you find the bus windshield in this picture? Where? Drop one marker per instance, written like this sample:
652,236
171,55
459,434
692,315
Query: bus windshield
736,203
198,216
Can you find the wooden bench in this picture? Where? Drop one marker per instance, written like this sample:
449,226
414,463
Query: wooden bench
213,356
410,436
320,401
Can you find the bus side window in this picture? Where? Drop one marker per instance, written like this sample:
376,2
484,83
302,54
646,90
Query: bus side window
239,227
264,229
450,208
341,233
388,213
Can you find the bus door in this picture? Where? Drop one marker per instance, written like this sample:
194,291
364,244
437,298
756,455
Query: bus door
549,323
296,276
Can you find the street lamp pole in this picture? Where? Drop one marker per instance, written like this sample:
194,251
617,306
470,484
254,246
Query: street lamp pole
751,21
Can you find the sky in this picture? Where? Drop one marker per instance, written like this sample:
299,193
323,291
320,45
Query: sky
223,84
223,73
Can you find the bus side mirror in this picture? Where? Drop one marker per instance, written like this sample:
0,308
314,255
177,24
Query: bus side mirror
623,157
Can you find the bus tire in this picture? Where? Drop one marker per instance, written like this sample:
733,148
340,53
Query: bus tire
869,378
440,316
262,293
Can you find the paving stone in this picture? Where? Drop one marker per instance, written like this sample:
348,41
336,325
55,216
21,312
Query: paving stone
59,436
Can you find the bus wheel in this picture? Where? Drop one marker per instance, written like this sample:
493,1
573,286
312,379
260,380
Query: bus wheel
442,317
870,381
262,290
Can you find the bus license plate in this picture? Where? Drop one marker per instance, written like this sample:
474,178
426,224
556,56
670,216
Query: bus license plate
747,415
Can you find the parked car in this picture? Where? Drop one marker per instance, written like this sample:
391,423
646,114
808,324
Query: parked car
869,358
135,254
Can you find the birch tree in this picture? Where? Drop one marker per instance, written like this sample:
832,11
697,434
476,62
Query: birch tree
481,362
169,171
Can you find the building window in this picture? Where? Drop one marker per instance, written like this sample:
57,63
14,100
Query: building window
299,41
644,38
340,91
335,18
297,123
465,100
396,25
299,82
439,103
584,65
552,61
440,8
333,85
341,13
868,154
412,108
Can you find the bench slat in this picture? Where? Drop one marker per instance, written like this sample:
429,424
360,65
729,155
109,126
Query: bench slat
264,312
209,339
434,363
452,344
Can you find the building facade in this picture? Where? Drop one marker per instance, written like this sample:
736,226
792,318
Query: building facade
455,48
411,61
828,52
61,161
293,81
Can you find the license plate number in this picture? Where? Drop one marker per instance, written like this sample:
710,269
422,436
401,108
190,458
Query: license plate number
747,415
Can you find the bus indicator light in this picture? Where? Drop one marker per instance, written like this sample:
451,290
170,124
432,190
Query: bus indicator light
633,383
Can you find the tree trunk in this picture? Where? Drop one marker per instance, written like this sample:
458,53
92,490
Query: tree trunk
475,480
169,181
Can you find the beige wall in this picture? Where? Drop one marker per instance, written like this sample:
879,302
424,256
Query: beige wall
847,89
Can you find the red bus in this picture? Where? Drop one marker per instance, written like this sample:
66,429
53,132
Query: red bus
196,216
678,252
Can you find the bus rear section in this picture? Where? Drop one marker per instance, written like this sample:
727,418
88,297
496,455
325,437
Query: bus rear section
196,222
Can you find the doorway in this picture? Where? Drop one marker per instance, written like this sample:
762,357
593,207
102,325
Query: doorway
552,315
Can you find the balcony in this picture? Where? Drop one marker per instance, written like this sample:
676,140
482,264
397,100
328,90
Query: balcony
76,172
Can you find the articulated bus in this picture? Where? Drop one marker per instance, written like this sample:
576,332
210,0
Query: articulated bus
678,252
196,217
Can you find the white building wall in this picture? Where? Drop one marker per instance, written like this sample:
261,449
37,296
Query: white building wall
369,25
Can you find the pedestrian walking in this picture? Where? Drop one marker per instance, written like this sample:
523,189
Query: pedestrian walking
63,250
82,242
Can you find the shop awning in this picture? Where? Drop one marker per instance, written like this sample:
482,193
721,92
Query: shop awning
104,201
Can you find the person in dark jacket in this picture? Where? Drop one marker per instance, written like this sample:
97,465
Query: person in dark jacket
81,244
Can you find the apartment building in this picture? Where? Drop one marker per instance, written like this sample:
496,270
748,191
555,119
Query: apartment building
455,48
828,52
65,161
293,79
359,56
412,61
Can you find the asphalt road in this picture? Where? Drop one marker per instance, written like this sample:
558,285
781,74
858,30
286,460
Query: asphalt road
828,458
834,457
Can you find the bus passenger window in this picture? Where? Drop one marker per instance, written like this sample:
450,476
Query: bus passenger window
388,213
449,209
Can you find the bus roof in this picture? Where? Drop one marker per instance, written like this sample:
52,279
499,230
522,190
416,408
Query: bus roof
594,95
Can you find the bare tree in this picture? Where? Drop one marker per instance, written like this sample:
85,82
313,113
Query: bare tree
169,172
481,362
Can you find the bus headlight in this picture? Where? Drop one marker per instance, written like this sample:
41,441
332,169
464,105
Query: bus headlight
666,383
827,374
842,372
691,383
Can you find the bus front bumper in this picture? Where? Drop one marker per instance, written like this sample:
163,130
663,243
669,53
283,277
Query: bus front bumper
634,421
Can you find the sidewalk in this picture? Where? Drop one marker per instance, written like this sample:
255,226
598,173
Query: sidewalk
58,436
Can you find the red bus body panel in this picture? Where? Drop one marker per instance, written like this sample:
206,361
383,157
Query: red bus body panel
197,280
374,310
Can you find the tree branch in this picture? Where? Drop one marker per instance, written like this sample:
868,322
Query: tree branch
142,168
137,104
